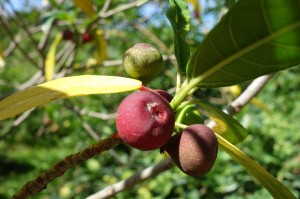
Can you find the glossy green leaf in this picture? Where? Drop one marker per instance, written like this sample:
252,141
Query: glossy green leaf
226,126
189,115
254,38
276,188
64,88
179,16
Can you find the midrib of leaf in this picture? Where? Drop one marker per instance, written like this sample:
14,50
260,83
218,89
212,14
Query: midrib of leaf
249,48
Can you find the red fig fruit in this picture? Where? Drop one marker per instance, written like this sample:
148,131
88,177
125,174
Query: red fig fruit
165,94
145,120
67,35
87,37
194,150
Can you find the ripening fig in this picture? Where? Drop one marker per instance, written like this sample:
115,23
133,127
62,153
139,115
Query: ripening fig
194,150
143,62
145,120
86,37
165,94
67,35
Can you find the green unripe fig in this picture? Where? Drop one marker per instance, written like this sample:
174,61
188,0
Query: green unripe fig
189,115
194,150
143,62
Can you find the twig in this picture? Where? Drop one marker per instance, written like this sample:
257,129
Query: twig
19,37
135,179
254,88
20,22
101,116
105,7
10,34
122,8
104,13
45,38
17,122
152,36
87,127
41,182
35,79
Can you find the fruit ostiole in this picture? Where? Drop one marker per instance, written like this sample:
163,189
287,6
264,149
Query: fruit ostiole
145,120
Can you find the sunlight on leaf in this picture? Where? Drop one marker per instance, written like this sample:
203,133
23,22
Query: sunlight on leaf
50,58
64,88
2,60
101,47
226,126
253,39
86,6
260,105
276,188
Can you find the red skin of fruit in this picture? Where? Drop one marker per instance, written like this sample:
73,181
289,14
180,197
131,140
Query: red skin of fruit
194,150
86,37
67,35
165,95
145,120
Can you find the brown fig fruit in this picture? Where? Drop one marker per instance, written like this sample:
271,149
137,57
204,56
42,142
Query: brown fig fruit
194,150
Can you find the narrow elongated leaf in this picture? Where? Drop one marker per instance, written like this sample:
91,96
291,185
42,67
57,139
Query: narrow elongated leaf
86,6
276,188
101,47
254,38
64,88
179,16
2,61
50,58
226,126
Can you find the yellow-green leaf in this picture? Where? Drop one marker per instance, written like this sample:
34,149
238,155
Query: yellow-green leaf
2,61
64,88
86,6
276,188
50,58
255,101
226,126
101,53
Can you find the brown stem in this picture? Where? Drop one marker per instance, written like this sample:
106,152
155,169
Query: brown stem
41,182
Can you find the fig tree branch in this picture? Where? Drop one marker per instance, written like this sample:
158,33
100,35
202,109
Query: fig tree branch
10,34
41,182
133,180
241,101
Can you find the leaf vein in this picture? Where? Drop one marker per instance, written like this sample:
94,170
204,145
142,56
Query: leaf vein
231,32
266,20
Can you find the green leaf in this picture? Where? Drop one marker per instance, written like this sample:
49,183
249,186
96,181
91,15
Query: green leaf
189,115
276,188
254,38
179,16
64,88
226,126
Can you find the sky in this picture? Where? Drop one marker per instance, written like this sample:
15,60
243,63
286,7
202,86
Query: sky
148,9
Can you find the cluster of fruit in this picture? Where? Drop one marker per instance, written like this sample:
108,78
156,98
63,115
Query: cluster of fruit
145,120
86,37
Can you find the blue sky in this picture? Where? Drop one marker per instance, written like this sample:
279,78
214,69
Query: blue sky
148,9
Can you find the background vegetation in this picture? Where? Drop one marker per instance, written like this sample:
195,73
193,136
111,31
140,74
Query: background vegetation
47,134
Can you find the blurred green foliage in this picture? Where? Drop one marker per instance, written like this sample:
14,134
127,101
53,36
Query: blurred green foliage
55,130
